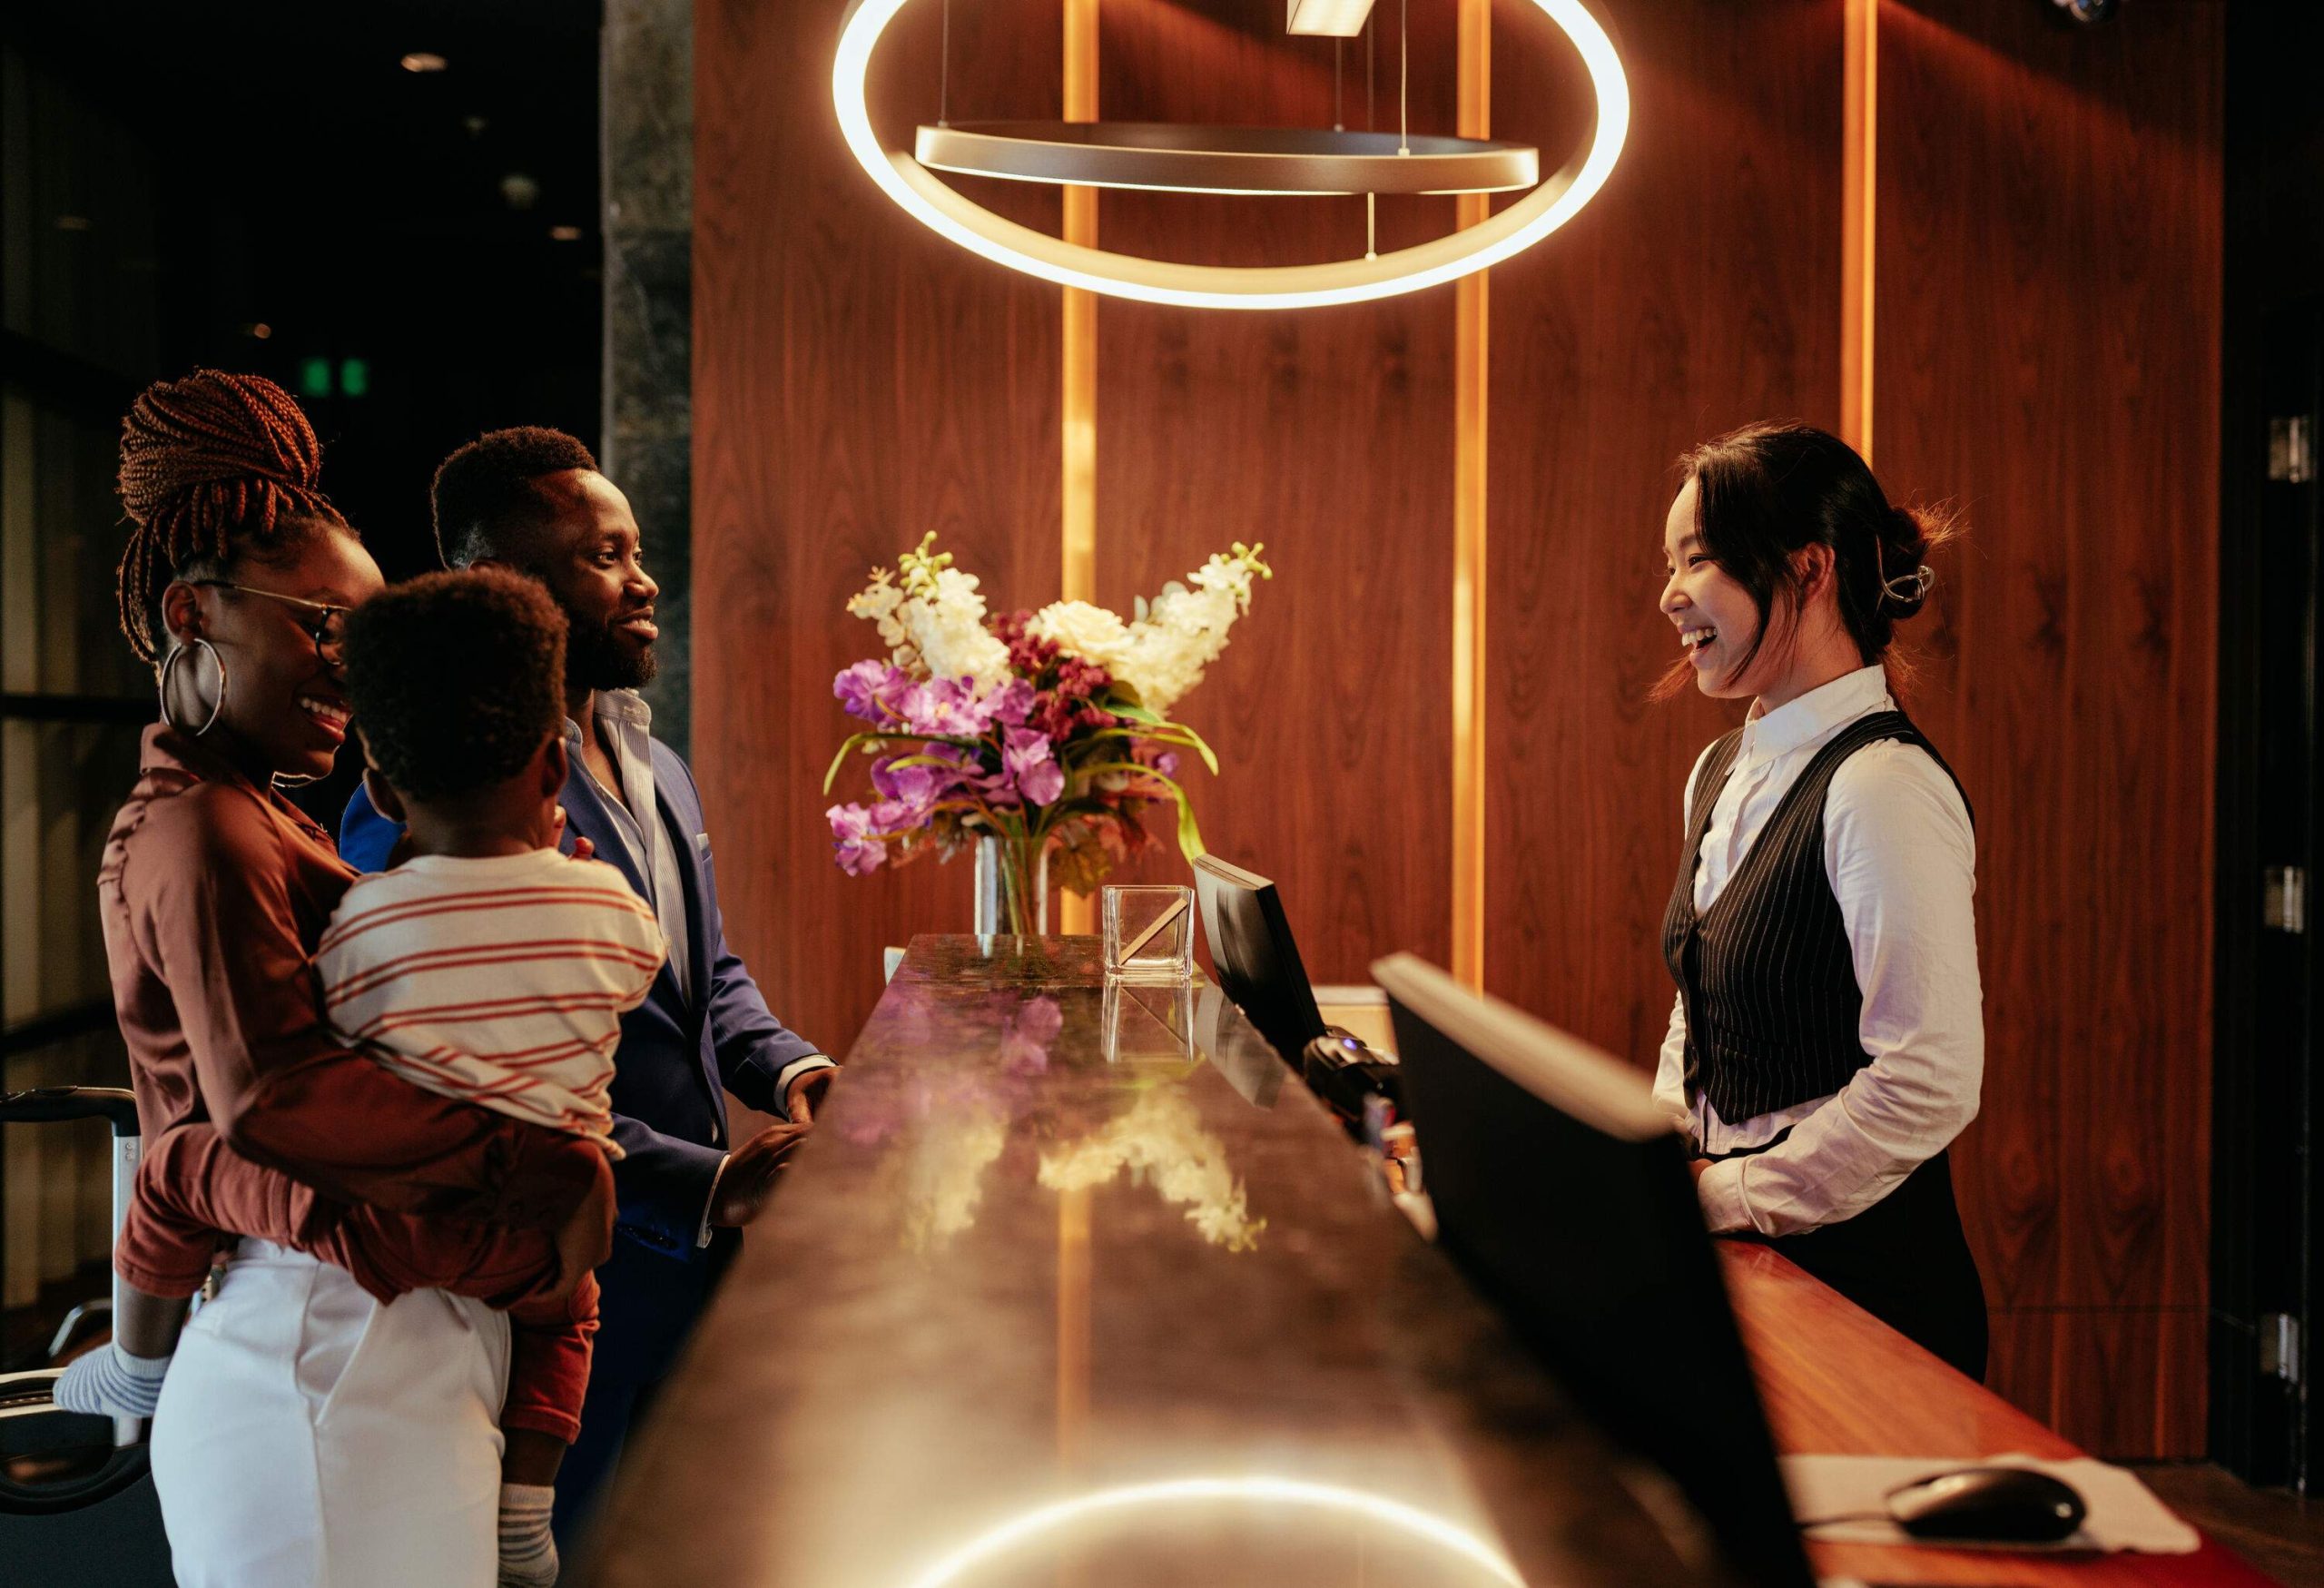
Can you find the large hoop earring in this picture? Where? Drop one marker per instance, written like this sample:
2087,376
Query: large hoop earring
170,662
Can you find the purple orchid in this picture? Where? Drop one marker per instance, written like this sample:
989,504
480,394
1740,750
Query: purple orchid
855,834
871,690
944,708
915,789
1026,760
1009,705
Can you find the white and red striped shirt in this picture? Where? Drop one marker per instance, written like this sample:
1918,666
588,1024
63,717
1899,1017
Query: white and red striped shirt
501,980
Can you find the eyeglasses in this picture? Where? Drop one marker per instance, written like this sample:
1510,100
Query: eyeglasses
324,623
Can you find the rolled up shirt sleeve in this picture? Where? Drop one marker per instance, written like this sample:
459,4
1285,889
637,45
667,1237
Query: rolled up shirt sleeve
1901,854
209,907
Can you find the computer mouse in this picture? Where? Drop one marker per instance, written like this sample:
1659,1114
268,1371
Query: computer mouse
1997,1505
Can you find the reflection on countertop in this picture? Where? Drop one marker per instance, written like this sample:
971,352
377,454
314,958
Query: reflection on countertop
1071,1286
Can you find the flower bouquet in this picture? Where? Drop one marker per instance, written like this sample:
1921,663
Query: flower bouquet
1047,730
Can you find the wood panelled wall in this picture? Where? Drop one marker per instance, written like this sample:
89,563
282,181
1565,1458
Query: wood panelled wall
2048,336
2046,356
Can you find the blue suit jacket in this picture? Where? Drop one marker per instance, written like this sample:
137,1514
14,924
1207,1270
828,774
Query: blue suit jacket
682,1049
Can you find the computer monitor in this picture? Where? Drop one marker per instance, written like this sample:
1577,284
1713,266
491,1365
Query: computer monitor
1252,950
1563,1193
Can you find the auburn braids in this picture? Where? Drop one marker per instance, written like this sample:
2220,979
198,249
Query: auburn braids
212,467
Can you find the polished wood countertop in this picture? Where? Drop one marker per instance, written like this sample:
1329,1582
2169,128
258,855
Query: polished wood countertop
1057,1244
1837,1381
1054,1247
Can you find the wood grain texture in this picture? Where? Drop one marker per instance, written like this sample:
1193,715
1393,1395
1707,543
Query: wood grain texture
2049,290
1837,1381
1699,291
858,382
1328,436
2047,297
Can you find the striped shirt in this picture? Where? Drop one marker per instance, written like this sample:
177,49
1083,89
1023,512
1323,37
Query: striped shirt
501,980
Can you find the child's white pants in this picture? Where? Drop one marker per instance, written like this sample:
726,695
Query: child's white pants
309,1437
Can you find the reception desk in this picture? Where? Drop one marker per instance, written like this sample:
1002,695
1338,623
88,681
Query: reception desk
1078,1284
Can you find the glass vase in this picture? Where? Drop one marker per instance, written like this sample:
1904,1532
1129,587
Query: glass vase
1013,887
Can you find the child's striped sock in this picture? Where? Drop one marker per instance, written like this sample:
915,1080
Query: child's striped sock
528,1551
111,1382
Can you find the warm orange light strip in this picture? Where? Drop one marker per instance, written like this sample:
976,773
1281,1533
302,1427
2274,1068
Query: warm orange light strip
1078,563
1470,378
1860,118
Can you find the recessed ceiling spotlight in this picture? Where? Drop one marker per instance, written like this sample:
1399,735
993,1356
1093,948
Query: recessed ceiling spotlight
475,125
565,233
261,330
521,191
424,61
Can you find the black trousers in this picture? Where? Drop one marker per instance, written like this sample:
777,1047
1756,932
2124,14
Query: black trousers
1905,1260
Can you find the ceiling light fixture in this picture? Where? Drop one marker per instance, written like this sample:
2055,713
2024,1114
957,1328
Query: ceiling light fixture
1338,19
1261,162
424,61
1100,153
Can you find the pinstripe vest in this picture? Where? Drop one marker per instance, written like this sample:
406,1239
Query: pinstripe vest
1766,973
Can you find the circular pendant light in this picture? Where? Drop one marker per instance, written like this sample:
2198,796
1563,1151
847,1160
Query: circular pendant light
1261,162
911,184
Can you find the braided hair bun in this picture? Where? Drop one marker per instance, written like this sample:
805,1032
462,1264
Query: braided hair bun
212,467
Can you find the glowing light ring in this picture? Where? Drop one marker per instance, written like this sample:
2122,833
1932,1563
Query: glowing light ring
1407,270
1009,1535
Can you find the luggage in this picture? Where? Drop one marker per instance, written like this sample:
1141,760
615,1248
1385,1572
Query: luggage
77,1506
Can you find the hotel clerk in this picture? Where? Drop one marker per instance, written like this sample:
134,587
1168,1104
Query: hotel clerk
1828,1040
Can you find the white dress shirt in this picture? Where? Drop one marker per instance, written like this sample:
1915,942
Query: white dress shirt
1901,856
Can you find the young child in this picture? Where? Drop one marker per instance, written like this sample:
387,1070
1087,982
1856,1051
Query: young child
488,967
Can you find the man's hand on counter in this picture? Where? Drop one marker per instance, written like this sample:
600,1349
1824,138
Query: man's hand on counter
750,1173
805,1094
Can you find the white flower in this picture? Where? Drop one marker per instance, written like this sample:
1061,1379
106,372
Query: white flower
1163,654
935,624
1091,633
947,628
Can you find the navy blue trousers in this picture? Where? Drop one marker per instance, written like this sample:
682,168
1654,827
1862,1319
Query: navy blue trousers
647,1309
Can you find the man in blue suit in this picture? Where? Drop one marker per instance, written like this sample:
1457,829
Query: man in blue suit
533,501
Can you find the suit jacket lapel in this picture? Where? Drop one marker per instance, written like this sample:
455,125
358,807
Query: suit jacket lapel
588,816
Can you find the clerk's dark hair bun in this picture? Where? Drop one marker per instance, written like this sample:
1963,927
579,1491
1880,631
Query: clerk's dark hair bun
1768,491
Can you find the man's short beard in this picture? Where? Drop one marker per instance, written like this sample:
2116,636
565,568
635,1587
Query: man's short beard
595,659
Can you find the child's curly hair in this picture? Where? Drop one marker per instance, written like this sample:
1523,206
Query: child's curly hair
456,679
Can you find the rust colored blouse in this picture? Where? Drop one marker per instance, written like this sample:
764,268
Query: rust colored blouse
214,893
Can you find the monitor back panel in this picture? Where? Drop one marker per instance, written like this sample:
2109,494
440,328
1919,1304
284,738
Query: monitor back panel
1594,1246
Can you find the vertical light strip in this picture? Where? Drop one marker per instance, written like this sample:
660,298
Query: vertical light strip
1470,379
1859,180
1078,563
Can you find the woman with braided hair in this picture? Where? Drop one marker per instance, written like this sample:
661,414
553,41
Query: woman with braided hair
283,1453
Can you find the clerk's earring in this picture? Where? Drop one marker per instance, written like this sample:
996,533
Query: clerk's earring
169,665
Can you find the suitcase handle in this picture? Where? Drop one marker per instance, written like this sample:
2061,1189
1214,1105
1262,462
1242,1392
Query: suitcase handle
43,1105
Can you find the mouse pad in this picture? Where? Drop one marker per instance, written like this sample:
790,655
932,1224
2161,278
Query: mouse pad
2123,1515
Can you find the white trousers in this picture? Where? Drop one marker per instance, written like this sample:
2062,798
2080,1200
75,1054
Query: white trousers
309,1437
